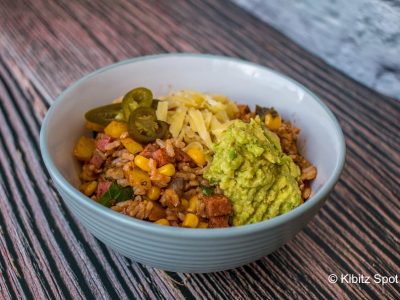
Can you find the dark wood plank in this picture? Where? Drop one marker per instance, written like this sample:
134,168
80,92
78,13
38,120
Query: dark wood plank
45,253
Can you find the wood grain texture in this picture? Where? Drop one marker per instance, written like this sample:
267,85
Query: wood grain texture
45,253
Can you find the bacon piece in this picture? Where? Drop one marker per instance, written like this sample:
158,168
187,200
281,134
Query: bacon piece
102,187
161,157
217,205
97,160
102,142
148,150
218,222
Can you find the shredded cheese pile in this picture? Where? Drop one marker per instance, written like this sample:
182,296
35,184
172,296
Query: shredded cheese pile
196,118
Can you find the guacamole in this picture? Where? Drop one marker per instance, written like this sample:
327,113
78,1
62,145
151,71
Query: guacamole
253,172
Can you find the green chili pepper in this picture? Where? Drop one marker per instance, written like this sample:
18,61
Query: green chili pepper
104,114
144,127
139,97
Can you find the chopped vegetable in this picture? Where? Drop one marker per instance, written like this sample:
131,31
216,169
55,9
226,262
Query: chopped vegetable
193,204
144,127
115,129
138,178
167,170
88,188
139,97
191,221
207,190
84,148
132,146
154,193
142,162
272,119
261,111
104,114
197,155
185,203
115,194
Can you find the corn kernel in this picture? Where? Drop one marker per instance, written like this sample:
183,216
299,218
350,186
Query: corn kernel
162,222
154,193
202,225
88,188
115,129
167,170
142,162
191,221
273,121
132,146
185,204
197,155
193,204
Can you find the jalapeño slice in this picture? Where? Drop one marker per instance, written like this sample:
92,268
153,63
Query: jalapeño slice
103,115
139,97
144,127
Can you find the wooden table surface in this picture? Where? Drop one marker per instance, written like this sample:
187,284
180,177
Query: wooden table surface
45,253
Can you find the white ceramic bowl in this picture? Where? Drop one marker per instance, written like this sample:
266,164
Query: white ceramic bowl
180,249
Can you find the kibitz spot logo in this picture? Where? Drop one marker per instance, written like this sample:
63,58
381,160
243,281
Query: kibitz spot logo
364,279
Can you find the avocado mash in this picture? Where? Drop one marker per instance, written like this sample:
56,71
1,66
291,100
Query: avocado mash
253,172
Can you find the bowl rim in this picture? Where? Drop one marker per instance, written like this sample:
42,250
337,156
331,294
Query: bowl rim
192,233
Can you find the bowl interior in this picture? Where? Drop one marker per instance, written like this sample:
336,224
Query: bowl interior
320,138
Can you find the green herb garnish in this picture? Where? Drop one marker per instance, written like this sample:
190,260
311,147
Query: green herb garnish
207,190
115,194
